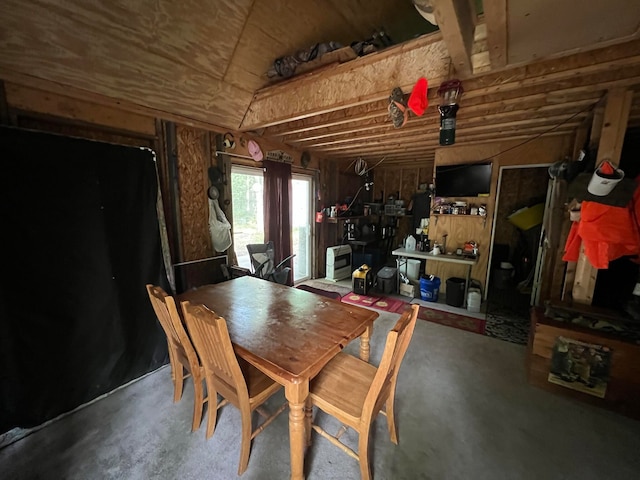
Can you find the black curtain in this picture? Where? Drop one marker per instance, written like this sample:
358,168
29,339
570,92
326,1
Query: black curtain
80,241
277,209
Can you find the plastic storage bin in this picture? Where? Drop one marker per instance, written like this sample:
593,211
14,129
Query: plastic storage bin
429,289
455,291
387,279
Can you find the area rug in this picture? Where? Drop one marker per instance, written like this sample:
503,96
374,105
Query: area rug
386,304
461,322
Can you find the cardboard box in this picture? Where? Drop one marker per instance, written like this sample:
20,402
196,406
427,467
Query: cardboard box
408,290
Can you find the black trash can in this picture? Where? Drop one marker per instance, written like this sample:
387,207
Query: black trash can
455,291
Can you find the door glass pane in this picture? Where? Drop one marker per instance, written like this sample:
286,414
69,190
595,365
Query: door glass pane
301,227
248,215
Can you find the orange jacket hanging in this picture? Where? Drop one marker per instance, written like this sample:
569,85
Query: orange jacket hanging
607,233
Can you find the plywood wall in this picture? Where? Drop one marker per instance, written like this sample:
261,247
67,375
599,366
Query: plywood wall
193,161
544,150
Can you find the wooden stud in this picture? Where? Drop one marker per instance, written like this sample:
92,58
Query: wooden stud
4,107
495,16
616,117
456,20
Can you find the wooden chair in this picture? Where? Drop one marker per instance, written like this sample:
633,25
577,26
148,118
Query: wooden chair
354,391
238,382
182,355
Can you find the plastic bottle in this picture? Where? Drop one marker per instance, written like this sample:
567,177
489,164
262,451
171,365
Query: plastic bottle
410,244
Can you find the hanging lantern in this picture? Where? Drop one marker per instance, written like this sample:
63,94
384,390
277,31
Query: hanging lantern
449,92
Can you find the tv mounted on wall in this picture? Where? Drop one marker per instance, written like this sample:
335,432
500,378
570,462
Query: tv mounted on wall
466,180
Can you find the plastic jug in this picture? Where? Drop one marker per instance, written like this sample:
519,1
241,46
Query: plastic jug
474,298
410,244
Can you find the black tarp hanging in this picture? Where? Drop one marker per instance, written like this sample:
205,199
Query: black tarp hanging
80,241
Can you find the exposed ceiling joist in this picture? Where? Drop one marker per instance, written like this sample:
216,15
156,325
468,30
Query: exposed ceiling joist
457,21
495,17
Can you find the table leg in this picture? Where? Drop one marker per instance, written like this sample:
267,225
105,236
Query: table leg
365,347
466,287
296,394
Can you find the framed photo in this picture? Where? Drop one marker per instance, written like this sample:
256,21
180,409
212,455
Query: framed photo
580,366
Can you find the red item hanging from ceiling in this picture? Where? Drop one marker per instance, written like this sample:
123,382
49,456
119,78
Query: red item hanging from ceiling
418,102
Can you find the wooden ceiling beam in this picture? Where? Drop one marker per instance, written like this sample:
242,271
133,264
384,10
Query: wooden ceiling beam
471,117
369,78
386,145
418,130
495,17
456,20
516,84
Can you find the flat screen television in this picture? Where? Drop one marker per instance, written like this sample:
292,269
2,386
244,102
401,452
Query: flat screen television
466,180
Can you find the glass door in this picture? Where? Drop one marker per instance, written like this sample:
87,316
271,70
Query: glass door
301,224
248,215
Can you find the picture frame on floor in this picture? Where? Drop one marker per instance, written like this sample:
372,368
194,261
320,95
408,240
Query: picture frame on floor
580,366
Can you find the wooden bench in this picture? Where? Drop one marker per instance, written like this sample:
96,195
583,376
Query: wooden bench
622,392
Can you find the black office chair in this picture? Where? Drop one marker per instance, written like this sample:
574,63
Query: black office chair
263,263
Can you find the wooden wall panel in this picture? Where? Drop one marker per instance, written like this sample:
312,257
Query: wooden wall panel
541,151
193,162
35,100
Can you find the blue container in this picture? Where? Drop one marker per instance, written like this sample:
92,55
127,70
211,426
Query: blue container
429,289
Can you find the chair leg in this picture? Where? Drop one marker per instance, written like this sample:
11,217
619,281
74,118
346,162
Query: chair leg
308,413
177,374
212,409
363,454
391,418
198,402
245,447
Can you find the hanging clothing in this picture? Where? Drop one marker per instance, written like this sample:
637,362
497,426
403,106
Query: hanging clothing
219,227
607,233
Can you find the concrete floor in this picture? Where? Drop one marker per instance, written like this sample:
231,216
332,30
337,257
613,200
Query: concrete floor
464,411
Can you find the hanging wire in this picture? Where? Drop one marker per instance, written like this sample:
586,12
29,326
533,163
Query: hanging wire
538,135
360,167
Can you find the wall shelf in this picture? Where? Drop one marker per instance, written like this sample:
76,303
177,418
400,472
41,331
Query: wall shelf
436,215
342,219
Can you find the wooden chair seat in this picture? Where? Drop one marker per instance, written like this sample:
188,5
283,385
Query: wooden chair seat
183,358
344,373
235,380
354,391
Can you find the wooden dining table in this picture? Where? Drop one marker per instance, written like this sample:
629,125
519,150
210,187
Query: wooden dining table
288,334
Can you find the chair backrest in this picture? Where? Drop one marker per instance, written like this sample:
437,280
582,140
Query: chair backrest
262,258
165,307
396,346
211,339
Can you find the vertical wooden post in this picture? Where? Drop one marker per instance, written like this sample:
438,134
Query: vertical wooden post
614,126
4,107
611,137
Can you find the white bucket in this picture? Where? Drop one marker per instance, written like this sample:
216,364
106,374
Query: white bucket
413,269
410,267
602,186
